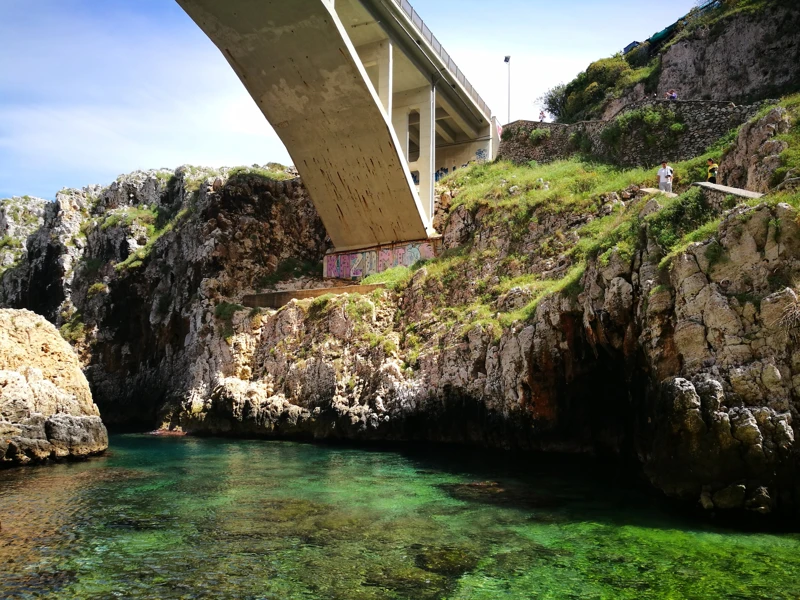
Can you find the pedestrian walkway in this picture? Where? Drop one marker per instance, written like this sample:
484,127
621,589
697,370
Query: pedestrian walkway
728,191
657,191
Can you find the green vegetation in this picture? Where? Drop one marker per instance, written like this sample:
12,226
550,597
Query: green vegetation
319,305
155,232
580,141
74,330
91,266
574,186
131,215
224,311
654,124
274,174
96,288
393,278
291,268
577,187
790,158
539,136
10,242
678,217
584,97
361,313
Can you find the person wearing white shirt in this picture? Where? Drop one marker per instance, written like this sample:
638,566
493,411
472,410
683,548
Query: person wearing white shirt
665,178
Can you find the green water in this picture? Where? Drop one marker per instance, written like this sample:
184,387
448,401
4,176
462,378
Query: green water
189,518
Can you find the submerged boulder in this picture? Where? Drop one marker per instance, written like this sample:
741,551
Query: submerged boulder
46,407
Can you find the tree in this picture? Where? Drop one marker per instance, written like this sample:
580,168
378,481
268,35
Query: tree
554,101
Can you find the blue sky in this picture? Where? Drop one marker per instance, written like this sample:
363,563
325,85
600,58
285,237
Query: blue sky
91,89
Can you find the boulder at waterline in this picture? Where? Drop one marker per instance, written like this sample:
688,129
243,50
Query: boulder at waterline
46,407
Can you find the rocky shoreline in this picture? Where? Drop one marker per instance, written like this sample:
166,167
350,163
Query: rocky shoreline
46,408
681,360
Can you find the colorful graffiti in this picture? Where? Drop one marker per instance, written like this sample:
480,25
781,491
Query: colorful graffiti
355,265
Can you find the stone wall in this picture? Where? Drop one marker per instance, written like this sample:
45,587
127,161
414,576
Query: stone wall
701,124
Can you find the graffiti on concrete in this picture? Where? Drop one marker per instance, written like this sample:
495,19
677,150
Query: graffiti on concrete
355,265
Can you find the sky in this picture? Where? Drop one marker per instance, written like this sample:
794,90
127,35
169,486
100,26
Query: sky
91,89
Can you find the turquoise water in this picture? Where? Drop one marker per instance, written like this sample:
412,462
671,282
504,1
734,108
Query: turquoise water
193,518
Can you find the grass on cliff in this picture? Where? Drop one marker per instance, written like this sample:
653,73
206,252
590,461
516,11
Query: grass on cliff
790,158
288,269
224,311
137,259
391,278
274,173
549,221
565,186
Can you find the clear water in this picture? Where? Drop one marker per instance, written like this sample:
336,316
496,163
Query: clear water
190,518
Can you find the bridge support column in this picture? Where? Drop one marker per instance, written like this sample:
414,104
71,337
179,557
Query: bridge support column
386,75
427,151
400,124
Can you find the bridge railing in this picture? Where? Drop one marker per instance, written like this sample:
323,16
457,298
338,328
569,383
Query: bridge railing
419,24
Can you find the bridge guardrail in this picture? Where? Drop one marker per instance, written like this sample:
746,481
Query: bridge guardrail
427,34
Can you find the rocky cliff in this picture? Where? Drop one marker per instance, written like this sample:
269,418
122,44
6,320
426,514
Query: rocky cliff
46,408
746,55
581,316
133,273
739,51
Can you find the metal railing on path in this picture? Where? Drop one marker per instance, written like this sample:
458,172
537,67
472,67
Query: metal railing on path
427,34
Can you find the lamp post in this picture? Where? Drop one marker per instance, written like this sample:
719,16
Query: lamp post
508,62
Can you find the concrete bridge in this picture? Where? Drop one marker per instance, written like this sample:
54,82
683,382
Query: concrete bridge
370,107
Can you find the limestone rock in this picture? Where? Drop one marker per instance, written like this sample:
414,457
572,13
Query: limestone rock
751,163
695,367
730,497
46,408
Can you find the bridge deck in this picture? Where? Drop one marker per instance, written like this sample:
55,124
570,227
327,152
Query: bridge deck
296,61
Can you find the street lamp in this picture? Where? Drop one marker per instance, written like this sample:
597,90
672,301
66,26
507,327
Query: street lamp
508,61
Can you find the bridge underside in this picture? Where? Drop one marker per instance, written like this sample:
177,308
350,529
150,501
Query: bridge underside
368,118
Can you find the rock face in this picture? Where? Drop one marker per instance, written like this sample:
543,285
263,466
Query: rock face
19,218
46,408
722,340
749,55
698,375
752,162
690,366
132,273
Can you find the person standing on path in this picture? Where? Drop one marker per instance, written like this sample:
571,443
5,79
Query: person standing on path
542,116
713,170
665,178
